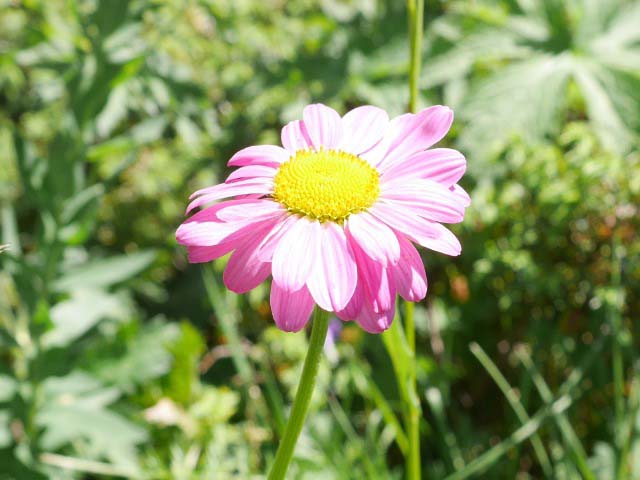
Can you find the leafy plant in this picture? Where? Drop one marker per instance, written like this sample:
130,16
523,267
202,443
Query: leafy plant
521,68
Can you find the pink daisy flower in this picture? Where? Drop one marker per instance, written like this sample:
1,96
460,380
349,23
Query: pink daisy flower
333,215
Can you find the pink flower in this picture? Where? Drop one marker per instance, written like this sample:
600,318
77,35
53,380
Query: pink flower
334,214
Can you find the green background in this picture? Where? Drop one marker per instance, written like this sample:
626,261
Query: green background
118,359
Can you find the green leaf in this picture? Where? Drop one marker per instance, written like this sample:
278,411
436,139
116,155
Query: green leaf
127,364
74,317
6,439
75,408
609,124
524,99
105,272
8,387
184,375
401,356
10,235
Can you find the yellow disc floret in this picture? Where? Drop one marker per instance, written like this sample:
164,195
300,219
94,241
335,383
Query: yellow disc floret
326,184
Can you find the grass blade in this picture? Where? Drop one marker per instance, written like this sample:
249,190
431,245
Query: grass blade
515,404
567,431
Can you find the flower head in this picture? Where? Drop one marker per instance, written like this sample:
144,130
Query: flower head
334,213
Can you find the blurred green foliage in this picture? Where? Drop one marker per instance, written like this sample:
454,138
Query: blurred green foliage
117,359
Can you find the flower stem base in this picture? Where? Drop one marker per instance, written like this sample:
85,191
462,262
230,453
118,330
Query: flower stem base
303,396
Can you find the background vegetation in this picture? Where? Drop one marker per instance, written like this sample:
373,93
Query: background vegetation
118,359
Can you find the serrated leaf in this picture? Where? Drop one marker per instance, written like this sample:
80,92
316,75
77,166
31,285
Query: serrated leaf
73,317
522,99
105,272
74,408
610,127
146,357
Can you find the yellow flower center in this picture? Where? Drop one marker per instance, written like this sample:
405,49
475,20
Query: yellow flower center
326,184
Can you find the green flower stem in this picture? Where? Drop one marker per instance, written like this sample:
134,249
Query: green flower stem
412,409
303,396
415,10
416,26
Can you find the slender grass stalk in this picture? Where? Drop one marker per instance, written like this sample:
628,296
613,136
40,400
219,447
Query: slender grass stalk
412,409
491,456
555,408
515,404
564,425
225,307
303,396
415,9
362,377
629,429
615,320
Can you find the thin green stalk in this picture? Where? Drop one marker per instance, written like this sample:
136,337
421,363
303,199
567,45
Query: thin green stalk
352,436
567,394
515,404
365,383
564,425
491,456
412,419
226,310
628,430
416,21
615,319
303,396
415,9
228,322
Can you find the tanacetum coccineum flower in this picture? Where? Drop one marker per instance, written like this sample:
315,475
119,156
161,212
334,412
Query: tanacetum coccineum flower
334,214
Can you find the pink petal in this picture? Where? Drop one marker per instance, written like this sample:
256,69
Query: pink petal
244,270
251,171
445,241
205,233
207,228
291,309
323,124
268,155
294,137
375,322
363,128
268,246
428,234
250,209
225,190
411,133
198,254
426,197
461,194
334,276
409,274
352,310
215,224
374,237
377,281
296,253
225,186
442,165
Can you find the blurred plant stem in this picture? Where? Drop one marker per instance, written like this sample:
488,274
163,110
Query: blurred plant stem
412,409
415,9
615,320
303,396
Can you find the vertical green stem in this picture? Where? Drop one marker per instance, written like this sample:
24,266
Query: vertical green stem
416,21
415,10
303,396
615,319
413,407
